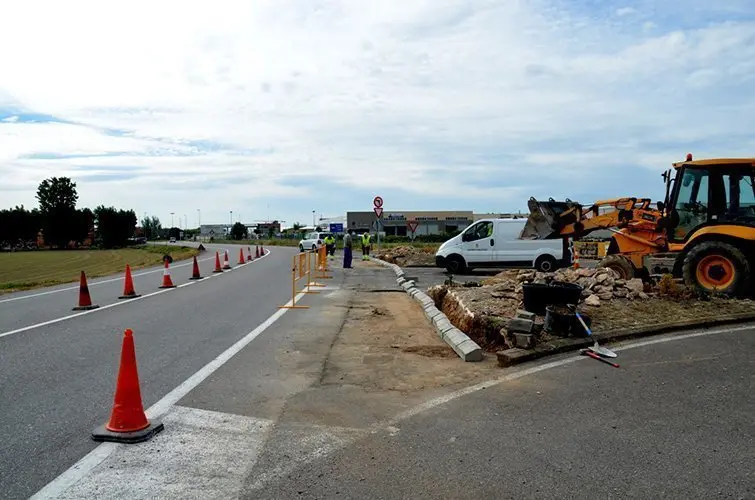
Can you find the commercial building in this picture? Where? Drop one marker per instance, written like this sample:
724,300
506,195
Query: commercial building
394,223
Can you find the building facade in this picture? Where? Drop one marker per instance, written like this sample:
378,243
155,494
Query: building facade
394,223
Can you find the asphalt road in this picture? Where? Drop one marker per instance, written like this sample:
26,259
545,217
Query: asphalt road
675,421
57,380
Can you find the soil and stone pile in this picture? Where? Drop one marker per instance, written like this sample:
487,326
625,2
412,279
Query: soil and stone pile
409,256
598,284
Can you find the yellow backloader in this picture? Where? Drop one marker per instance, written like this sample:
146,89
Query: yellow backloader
703,232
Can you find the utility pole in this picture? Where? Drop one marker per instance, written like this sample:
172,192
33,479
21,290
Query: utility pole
172,220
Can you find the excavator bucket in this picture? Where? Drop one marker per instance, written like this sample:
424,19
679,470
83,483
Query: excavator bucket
548,217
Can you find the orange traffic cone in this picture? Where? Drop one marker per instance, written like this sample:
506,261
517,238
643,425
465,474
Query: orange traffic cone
85,301
248,254
226,264
128,423
256,251
241,256
217,264
262,251
167,282
195,271
128,286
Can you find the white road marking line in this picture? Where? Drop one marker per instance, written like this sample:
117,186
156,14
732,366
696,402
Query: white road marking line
84,466
390,425
102,308
193,458
100,282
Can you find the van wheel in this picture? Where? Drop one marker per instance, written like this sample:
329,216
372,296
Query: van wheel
546,264
301,248
455,264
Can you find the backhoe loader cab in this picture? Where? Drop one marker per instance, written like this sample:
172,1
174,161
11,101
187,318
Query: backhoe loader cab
709,221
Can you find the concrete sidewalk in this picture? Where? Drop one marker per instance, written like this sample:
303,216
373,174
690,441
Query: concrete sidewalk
313,382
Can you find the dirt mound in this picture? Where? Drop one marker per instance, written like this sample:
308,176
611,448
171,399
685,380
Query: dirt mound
409,256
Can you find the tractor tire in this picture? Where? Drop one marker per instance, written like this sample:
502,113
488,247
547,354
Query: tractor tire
715,266
620,264
455,264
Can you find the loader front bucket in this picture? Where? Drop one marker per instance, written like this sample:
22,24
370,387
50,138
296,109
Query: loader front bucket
546,219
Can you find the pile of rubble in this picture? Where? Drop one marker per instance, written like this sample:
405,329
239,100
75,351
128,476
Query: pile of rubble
409,256
598,285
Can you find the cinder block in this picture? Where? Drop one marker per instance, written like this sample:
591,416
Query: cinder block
522,314
442,319
469,350
400,280
454,337
524,340
520,325
431,312
443,331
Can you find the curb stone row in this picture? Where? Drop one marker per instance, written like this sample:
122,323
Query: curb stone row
466,348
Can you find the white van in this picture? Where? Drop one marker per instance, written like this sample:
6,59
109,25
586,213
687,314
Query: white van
497,243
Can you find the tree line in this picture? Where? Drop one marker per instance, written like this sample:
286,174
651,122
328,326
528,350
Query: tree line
62,224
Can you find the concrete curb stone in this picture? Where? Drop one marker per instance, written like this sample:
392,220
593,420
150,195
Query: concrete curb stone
466,348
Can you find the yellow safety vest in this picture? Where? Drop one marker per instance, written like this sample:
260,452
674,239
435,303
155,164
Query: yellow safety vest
365,239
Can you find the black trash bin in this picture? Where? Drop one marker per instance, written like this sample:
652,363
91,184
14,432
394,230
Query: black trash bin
536,296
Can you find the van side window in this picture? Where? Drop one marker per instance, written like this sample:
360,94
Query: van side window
479,231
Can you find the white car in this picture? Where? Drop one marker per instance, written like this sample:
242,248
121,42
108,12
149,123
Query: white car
172,239
313,241
492,243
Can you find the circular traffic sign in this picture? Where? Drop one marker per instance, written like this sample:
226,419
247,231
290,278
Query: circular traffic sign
378,202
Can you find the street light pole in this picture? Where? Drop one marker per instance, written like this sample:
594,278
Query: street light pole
314,226
172,220
199,219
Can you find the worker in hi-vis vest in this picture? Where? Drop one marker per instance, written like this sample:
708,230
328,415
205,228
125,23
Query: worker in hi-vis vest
330,245
366,246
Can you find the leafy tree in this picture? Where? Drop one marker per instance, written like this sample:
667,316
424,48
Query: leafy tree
152,227
57,198
57,193
296,227
114,227
19,224
174,232
239,231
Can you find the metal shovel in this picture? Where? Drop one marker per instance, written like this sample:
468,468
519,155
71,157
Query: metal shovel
596,348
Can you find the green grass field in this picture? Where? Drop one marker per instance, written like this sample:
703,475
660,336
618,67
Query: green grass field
28,270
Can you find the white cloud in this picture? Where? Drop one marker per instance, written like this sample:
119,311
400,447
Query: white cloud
625,11
403,97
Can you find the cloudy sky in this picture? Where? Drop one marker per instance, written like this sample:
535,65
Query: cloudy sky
277,108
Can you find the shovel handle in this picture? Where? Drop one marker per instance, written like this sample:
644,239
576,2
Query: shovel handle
595,356
582,322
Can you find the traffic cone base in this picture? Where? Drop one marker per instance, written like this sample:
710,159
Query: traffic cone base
101,433
85,300
128,423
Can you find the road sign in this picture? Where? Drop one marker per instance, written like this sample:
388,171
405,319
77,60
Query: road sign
336,228
378,202
412,225
378,212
